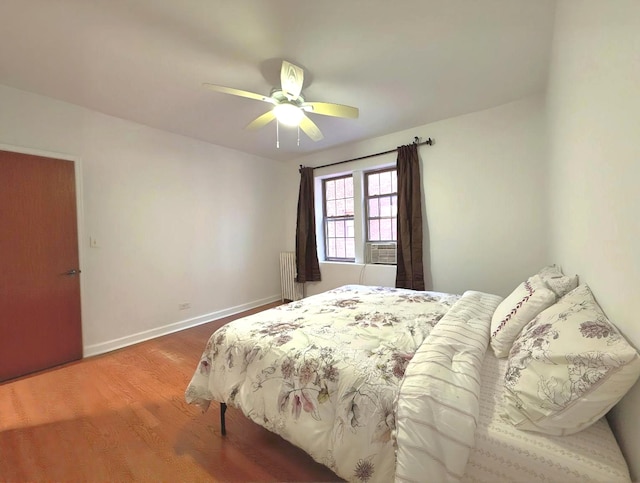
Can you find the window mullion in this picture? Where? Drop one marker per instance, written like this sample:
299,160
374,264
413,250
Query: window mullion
359,213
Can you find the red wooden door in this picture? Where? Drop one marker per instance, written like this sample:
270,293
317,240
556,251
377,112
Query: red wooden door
40,323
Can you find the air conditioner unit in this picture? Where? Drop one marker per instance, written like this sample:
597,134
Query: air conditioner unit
382,253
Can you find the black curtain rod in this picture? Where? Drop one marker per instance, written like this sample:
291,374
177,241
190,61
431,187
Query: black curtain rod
415,141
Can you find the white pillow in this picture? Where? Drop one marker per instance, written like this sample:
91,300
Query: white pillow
517,310
558,282
567,368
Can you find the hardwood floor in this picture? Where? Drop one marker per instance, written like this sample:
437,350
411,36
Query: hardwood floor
122,417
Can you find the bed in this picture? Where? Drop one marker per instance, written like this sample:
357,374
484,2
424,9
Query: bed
384,384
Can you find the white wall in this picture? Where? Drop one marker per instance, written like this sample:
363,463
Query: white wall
484,185
594,140
176,220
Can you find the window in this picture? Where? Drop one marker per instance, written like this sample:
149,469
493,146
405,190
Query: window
381,200
357,208
338,217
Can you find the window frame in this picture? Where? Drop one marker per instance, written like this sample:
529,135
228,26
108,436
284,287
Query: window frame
366,197
326,218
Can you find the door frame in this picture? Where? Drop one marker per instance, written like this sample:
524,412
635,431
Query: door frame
77,164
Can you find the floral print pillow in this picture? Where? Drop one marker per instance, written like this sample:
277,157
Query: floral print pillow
567,367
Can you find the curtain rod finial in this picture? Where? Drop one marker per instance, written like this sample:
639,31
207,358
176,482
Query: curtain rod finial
416,140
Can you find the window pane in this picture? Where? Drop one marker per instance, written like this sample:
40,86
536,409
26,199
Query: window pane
374,184
373,207
331,252
374,230
330,190
394,205
340,248
385,182
348,206
394,181
339,228
339,188
386,232
331,208
331,229
348,187
351,248
394,227
385,206
340,207
349,226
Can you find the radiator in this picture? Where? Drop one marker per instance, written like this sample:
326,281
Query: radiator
291,290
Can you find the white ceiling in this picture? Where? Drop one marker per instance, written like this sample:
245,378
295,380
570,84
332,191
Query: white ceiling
403,63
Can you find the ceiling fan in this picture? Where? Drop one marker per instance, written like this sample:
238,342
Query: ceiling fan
289,107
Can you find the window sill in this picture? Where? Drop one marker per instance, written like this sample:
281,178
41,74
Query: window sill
337,262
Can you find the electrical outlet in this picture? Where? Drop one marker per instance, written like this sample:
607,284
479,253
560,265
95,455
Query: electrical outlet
184,306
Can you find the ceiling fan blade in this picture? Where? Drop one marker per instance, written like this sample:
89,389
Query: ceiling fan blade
238,92
310,129
291,79
329,109
262,120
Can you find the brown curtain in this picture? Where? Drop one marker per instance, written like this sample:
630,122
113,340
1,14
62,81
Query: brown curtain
410,273
307,265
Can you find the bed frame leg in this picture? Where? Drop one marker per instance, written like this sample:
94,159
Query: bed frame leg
223,427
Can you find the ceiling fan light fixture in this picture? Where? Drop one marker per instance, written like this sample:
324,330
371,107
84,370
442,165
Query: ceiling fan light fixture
288,114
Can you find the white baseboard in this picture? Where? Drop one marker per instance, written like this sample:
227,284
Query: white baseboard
102,347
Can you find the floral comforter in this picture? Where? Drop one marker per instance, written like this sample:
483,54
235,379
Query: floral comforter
326,372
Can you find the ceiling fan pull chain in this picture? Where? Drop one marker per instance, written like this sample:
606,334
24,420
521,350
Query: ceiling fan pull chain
277,134
298,135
